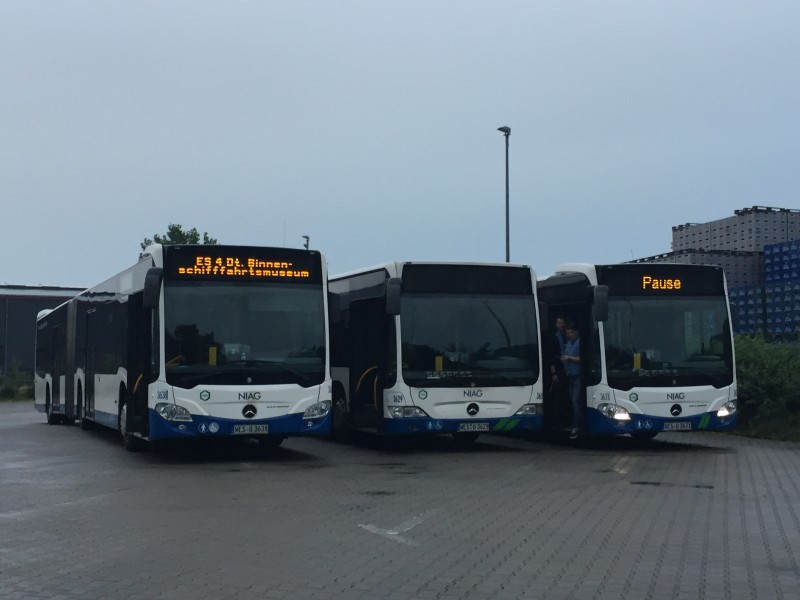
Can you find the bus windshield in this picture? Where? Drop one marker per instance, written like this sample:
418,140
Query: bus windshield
667,342
457,340
234,333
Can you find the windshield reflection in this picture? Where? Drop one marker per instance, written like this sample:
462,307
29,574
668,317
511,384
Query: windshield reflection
667,342
448,340
231,333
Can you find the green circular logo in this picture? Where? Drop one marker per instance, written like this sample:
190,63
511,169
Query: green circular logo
205,395
634,397
423,394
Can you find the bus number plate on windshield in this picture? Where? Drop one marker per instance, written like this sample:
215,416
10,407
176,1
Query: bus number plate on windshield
680,426
473,427
250,429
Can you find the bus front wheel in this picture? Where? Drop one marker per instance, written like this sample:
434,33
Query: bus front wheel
340,427
130,441
52,418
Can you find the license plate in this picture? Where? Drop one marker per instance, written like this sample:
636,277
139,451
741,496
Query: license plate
250,429
473,427
679,426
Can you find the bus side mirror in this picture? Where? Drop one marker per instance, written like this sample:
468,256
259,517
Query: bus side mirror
734,317
393,286
152,287
600,303
544,315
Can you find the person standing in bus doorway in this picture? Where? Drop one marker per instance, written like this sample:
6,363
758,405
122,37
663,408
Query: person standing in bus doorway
561,333
572,366
558,391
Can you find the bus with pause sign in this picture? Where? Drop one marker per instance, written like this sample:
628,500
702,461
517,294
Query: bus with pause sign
193,341
421,348
656,347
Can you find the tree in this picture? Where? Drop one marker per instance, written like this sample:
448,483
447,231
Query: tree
176,235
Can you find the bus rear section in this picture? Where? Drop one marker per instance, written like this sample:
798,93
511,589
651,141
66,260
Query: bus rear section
657,348
423,348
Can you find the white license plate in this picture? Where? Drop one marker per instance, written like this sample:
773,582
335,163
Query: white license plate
473,427
250,429
679,426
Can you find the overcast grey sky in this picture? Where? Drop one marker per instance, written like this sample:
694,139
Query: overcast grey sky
371,126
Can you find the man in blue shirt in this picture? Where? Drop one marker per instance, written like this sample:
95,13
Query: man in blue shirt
561,332
572,366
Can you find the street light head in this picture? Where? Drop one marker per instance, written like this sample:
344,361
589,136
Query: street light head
505,129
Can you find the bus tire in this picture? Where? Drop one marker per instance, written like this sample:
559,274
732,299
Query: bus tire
465,440
85,424
52,418
130,441
340,426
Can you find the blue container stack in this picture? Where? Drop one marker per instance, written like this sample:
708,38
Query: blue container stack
782,288
748,304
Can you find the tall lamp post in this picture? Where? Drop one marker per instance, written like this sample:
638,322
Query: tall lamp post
506,133
307,239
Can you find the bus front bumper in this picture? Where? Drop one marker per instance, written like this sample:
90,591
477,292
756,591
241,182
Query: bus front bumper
599,424
202,426
423,425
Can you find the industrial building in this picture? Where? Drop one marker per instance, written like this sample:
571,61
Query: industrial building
19,306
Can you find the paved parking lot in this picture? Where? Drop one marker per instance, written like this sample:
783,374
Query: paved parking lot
687,516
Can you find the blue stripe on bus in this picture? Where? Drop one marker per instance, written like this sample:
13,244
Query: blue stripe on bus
106,419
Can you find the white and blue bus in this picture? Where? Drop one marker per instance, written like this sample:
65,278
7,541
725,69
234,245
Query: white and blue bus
423,348
193,341
656,347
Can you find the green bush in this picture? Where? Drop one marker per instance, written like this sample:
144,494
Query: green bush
769,387
25,392
7,391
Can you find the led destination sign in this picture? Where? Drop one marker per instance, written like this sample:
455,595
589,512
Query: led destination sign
237,263
661,280
654,283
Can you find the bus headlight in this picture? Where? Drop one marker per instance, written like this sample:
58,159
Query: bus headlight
614,411
727,409
172,412
528,410
405,412
317,410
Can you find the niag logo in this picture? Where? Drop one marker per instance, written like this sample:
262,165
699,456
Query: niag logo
249,395
473,393
676,396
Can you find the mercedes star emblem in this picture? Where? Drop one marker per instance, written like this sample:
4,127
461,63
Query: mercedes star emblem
675,410
473,409
249,411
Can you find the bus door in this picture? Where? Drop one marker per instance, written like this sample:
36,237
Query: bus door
558,413
140,363
368,322
91,359
59,366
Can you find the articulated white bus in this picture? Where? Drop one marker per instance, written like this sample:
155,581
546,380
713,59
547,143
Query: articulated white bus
193,341
656,347
436,348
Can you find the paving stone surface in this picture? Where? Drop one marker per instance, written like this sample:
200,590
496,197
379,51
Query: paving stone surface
686,516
